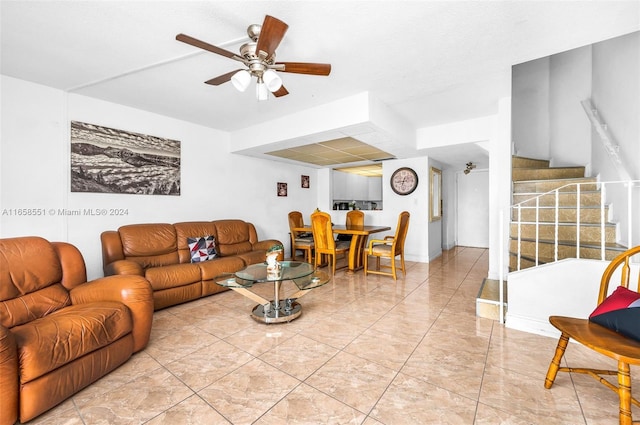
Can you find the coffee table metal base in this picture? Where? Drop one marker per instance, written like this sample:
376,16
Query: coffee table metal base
285,311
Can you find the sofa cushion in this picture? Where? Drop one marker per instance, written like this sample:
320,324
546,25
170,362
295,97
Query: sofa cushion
150,245
221,265
202,248
233,237
253,257
173,276
35,305
66,335
192,229
27,264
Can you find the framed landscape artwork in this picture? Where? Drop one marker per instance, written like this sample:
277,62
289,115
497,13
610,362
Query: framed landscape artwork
107,160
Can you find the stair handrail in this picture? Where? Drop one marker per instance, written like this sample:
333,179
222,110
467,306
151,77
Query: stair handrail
612,148
518,207
630,184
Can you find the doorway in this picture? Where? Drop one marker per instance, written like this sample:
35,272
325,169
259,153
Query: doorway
472,215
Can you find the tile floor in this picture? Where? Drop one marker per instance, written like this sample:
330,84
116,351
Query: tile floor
365,351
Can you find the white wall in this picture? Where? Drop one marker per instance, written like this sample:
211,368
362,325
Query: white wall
500,190
215,184
616,96
569,84
530,108
565,288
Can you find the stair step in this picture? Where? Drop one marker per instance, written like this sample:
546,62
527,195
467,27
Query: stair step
545,185
522,162
566,199
566,249
488,299
520,174
589,233
566,214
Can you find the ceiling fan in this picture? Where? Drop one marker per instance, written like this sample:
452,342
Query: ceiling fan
259,57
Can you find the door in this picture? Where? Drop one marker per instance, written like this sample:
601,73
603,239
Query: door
473,209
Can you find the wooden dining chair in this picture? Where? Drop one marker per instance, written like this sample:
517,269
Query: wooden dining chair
354,218
626,351
323,240
390,247
300,241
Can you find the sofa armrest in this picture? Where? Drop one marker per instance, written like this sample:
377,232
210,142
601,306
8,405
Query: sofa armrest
133,291
266,244
111,248
124,267
74,271
9,385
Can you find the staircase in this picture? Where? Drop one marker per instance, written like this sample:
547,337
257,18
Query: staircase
533,218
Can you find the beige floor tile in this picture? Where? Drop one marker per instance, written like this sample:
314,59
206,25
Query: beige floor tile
388,350
352,380
206,365
179,344
522,395
192,411
299,356
137,401
308,406
412,401
245,394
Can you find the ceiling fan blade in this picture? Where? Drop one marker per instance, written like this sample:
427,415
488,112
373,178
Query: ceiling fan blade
280,92
222,78
206,46
271,35
304,68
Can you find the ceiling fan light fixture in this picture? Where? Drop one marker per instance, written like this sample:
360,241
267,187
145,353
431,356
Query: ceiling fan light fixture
272,80
262,92
241,80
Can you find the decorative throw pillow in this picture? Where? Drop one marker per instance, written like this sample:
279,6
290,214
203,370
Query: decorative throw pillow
202,249
620,312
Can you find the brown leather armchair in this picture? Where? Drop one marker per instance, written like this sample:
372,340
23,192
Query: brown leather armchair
58,332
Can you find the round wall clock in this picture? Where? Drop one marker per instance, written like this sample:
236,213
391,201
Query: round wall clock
404,181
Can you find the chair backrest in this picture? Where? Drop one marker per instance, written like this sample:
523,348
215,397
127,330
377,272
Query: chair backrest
401,231
355,218
322,231
623,261
295,220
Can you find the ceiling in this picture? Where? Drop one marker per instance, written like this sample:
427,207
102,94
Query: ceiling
431,62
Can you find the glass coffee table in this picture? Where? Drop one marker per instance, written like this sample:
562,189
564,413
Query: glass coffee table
280,309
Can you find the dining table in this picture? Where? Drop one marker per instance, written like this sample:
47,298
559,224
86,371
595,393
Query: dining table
360,235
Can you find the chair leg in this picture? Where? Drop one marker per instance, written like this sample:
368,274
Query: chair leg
365,261
624,392
393,268
404,271
555,362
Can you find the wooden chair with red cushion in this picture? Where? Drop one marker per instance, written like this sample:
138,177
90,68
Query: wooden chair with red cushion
612,340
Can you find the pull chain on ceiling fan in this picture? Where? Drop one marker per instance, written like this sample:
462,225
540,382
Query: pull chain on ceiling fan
259,57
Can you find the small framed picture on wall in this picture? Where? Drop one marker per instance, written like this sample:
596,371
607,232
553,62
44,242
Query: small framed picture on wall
304,181
282,189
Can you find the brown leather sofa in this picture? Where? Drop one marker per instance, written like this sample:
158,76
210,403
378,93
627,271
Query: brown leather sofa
160,253
58,332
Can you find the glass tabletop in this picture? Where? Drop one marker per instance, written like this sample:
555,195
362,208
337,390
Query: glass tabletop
301,273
